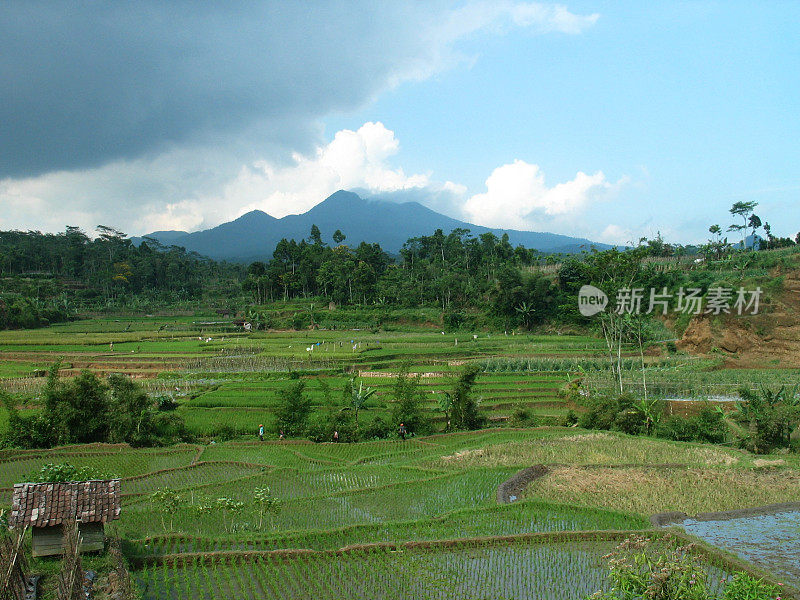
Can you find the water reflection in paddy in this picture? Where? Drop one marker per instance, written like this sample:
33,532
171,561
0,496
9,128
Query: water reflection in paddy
770,541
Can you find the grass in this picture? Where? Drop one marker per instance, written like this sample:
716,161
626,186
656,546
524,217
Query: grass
646,491
579,447
540,571
432,488
336,495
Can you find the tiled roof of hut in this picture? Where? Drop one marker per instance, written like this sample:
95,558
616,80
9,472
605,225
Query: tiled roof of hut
47,504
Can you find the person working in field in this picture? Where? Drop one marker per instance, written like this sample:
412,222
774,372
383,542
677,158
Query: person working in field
402,431
261,432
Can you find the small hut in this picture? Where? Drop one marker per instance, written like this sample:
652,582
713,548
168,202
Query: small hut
45,507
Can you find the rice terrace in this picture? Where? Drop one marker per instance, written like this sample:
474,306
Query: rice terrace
529,503
399,300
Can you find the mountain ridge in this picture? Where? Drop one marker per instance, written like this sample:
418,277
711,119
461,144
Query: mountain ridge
254,235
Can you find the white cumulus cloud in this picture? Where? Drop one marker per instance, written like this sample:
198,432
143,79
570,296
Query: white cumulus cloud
353,159
517,197
234,123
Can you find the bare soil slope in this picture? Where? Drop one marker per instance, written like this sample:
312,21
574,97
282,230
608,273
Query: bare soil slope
768,339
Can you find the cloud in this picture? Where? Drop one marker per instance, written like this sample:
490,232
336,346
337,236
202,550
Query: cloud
517,197
547,18
615,234
87,84
199,199
353,159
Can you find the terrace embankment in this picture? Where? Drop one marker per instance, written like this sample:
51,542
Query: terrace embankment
513,488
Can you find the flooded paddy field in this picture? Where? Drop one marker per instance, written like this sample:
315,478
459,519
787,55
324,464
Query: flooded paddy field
770,540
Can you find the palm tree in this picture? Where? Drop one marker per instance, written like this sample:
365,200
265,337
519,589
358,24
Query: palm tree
359,397
526,312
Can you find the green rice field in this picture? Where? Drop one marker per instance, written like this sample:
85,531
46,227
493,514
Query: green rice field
385,518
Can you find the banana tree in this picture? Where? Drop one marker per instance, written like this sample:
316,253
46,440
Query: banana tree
359,396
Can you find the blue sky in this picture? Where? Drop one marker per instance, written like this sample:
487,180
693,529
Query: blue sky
607,120
697,103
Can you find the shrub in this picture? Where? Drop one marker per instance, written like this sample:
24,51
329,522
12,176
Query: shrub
34,431
293,410
770,417
407,404
523,417
746,587
710,425
322,425
464,411
603,410
379,428
65,472
678,429
630,420
165,402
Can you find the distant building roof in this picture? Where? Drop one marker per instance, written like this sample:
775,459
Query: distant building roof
48,504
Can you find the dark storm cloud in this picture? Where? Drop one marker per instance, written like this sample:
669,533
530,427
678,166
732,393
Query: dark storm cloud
85,83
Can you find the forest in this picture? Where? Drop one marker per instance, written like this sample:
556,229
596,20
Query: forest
46,278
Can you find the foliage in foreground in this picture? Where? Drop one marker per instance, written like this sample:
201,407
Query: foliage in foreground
644,569
65,472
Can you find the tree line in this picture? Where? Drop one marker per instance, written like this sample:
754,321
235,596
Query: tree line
46,277
49,277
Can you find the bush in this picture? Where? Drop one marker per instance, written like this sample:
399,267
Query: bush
603,410
34,431
87,409
379,428
708,426
322,425
464,411
453,321
770,417
299,321
523,417
165,402
65,472
293,411
168,428
678,429
407,404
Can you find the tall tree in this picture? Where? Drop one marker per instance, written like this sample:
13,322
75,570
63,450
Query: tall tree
744,210
294,408
464,409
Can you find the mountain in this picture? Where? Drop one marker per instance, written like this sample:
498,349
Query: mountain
254,235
